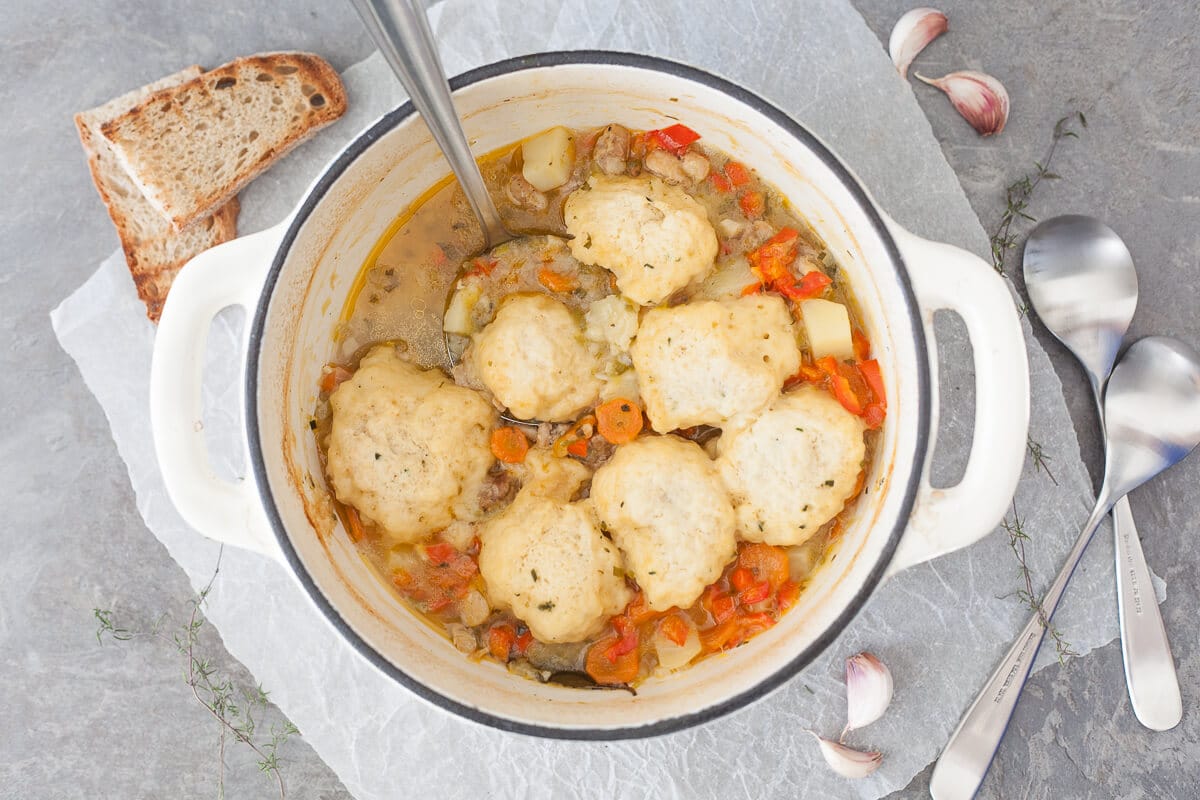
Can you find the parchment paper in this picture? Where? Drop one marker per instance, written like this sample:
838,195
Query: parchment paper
940,627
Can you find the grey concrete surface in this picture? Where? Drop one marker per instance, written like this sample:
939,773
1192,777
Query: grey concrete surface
81,720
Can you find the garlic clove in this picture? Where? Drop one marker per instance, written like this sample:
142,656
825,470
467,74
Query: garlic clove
846,761
981,99
868,690
912,33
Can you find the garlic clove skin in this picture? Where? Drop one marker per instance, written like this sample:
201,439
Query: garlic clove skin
868,690
912,33
978,97
846,761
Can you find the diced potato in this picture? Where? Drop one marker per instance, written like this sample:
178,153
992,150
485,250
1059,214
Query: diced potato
827,325
548,159
674,656
458,314
728,280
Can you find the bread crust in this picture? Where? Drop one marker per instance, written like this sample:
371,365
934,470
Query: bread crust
171,114
154,250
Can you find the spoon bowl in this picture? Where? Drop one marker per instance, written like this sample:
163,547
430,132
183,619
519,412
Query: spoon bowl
1083,285
1152,412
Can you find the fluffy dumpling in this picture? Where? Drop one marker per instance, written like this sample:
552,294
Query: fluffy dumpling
547,561
654,237
791,469
408,448
662,500
706,362
534,359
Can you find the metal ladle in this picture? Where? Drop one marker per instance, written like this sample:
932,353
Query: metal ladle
400,29
1083,285
1151,421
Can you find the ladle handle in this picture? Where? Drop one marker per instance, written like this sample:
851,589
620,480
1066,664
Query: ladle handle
965,760
1149,666
400,29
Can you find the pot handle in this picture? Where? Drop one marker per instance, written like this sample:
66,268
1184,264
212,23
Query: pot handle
943,520
230,274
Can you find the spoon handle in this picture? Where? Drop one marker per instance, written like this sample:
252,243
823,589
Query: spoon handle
1149,666
965,760
400,29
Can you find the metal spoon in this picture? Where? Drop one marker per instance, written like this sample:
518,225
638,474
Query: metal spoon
1152,420
1082,283
400,29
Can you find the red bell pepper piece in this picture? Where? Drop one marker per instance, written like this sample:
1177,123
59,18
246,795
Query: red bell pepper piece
675,138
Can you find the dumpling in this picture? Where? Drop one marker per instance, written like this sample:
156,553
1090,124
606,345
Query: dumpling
706,362
791,469
534,359
408,448
547,561
654,237
663,502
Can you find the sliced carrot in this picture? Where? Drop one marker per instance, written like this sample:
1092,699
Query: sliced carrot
720,183
741,579
509,444
333,376
751,624
580,431
787,596
354,526
440,553
556,281
524,639
717,602
627,639
675,628
755,594
501,639
720,636
766,562
737,173
753,204
862,345
609,671
579,447
619,420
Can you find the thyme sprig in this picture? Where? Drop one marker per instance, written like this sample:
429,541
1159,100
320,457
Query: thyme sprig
1041,461
1017,197
238,710
1014,526
1019,193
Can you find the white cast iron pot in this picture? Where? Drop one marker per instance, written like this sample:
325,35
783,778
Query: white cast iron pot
294,278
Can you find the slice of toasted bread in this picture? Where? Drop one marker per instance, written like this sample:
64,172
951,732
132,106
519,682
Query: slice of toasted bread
154,250
191,147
